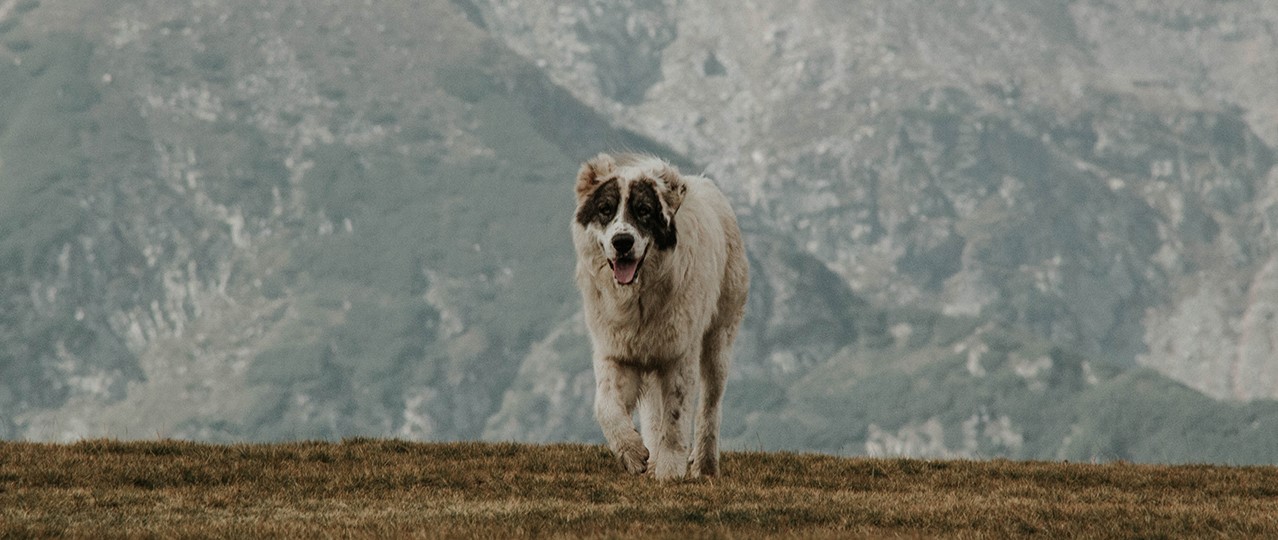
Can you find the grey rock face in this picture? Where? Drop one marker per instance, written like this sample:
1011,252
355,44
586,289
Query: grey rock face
1076,171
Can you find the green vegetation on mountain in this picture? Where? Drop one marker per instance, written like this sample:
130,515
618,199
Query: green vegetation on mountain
44,102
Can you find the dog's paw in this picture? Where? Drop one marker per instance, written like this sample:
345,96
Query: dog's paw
702,465
670,466
634,457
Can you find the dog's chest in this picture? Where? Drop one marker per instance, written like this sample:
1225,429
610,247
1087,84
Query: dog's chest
643,331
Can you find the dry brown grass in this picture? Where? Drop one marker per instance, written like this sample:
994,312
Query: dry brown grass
394,489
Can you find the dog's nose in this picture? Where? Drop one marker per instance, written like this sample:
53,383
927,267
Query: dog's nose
622,243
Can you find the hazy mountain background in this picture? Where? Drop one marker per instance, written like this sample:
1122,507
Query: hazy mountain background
1030,229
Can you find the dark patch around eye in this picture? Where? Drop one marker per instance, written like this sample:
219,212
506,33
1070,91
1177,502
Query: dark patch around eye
601,205
643,195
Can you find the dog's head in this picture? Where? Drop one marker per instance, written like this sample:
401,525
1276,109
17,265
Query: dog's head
626,206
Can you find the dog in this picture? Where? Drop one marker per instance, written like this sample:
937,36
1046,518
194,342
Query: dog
663,276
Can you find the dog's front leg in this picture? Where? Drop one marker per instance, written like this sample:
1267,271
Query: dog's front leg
677,384
616,390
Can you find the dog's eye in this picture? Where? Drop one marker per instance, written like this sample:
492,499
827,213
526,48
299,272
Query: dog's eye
643,211
605,208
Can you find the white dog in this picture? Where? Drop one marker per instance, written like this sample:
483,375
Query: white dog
663,275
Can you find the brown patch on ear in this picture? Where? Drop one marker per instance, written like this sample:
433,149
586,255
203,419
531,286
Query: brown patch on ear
593,172
675,187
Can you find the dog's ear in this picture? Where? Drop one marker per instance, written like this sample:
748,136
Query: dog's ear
592,172
675,187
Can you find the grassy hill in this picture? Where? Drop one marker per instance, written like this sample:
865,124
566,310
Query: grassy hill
383,488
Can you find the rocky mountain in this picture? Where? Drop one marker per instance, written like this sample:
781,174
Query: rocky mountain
1025,229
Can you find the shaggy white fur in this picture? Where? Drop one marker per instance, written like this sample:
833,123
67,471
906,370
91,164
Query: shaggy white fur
663,276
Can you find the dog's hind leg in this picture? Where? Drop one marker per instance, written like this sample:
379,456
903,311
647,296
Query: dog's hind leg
715,352
677,383
616,390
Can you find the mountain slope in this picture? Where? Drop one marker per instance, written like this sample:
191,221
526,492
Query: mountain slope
1099,174
973,230
275,220
1096,178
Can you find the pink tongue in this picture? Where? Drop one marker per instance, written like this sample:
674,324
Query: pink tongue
624,271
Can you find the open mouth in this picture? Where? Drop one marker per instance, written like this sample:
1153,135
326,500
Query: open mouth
625,269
